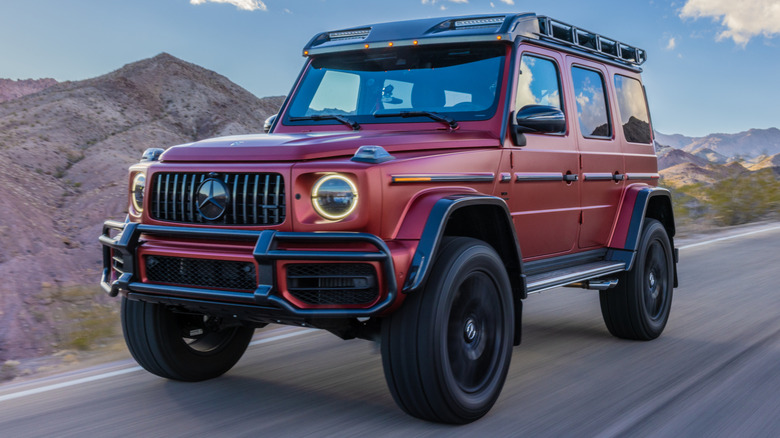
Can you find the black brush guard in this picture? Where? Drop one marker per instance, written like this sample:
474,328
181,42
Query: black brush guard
122,249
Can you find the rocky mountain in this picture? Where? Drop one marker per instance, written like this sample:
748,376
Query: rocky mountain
669,156
676,141
746,145
10,89
714,157
772,162
64,153
686,160
686,173
749,144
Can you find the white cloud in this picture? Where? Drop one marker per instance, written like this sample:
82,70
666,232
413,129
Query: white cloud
509,2
742,19
246,5
631,100
671,44
524,94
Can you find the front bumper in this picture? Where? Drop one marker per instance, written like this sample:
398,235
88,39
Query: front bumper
124,246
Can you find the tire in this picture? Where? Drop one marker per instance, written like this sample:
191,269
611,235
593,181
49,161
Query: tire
165,343
446,351
638,307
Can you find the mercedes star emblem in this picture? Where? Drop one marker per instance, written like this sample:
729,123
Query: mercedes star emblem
213,199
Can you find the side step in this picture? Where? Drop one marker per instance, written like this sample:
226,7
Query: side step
573,274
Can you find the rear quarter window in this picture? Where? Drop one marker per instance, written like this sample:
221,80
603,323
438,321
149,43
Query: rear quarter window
633,110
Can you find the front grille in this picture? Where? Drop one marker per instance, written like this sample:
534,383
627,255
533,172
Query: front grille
220,274
333,283
255,198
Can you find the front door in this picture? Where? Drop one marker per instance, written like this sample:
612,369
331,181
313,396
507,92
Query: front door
544,188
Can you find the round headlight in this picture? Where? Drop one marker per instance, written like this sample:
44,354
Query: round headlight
334,197
137,192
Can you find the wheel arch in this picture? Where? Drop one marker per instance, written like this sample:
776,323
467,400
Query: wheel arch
659,207
482,217
641,202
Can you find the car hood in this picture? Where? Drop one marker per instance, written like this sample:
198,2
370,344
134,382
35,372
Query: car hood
312,146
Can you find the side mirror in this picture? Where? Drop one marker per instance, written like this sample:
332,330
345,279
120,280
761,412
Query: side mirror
268,123
540,119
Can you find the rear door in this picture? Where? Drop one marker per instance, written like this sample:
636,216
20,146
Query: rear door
602,171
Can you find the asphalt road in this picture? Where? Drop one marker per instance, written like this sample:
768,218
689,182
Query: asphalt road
714,372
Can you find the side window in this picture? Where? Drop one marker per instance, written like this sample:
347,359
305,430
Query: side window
591,103
538,83
633,110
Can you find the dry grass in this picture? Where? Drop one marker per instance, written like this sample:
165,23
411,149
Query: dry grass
83,322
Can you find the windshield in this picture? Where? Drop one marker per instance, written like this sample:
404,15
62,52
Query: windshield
459,82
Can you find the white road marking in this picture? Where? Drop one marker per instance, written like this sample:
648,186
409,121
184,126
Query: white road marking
108,375
48,388
736,236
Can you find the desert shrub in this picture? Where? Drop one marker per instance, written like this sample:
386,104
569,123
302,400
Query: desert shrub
85,323
688,203
90,326
8,370
744,198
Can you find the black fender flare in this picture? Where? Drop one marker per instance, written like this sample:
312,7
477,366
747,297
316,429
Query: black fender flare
639,203
434,231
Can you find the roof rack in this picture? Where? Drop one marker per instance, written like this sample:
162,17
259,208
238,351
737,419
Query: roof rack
572,36
503,27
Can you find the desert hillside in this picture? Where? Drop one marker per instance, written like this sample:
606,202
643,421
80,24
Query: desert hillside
64,153
14,89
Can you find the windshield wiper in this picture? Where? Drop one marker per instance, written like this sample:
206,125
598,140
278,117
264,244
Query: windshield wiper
430,114
351,123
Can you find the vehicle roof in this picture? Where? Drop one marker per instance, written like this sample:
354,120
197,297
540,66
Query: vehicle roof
477,28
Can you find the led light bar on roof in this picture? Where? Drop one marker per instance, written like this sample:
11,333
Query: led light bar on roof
357,34
479,22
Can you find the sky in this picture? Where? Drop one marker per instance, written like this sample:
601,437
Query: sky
712,64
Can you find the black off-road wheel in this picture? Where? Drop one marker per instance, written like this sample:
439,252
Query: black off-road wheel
181,346
638,307
446,352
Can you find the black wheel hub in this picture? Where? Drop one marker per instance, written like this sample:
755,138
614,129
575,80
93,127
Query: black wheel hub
203,333
470,332
655,284
474,332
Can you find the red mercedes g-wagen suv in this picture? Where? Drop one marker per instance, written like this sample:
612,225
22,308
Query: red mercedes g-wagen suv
419,182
